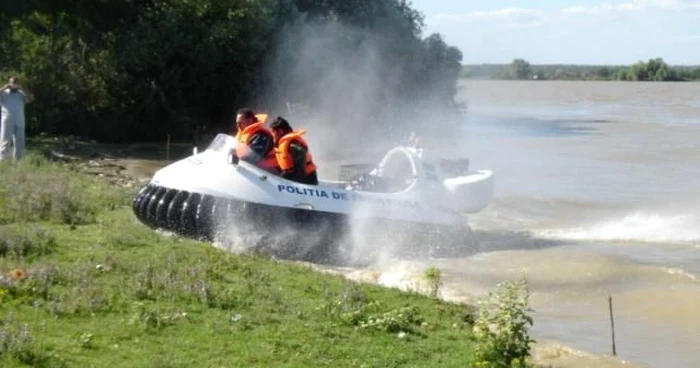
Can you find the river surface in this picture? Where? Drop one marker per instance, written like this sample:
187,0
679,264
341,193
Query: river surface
597,195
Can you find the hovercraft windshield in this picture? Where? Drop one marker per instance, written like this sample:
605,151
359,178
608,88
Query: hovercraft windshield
396,172
222,143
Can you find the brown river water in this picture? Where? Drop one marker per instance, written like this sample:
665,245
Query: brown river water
597,195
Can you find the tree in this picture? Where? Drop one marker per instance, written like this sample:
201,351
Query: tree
520,69
142,69
696,74
604,73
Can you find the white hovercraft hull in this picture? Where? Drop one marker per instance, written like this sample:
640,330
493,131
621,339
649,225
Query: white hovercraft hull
204,194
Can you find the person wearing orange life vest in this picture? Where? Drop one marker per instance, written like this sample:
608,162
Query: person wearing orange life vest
256,144
293,156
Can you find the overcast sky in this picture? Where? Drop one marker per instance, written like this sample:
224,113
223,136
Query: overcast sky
568,31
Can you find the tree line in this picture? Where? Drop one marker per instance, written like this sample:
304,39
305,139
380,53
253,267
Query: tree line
655,69
138,70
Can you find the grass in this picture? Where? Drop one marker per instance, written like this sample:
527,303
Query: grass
39,191
82,283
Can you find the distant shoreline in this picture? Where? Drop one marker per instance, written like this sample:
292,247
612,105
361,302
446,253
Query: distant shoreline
656,70
693,66
477,79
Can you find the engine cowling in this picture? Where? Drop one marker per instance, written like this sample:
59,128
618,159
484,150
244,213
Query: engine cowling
472,192
447,182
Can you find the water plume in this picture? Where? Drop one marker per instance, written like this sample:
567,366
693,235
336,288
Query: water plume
355,90
637,226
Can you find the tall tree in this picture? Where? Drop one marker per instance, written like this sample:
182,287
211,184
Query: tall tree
520,69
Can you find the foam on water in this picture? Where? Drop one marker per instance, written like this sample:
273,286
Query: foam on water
638,226
682,273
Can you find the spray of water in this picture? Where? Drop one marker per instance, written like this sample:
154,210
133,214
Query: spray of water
241,234
372,244
638,226
342,85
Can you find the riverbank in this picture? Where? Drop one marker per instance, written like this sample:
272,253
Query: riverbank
86,284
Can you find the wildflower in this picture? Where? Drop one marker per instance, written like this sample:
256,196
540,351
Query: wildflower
18,274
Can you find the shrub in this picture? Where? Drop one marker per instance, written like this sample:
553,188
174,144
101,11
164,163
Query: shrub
502,327
151,317
25,242
353,308
434,277
16,342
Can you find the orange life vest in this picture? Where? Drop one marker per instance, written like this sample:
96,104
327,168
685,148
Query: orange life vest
269,162
261,118
284,157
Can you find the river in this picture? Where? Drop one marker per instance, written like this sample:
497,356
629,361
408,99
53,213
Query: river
597,195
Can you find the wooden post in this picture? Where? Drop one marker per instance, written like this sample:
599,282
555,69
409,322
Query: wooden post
612,324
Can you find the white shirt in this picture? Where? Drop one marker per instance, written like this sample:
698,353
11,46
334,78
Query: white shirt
12,103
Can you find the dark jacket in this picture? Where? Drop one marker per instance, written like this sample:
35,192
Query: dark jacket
260,144
297,173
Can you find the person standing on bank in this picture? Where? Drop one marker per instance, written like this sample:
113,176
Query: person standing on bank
13,98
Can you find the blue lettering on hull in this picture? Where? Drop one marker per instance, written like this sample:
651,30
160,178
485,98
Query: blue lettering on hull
322,193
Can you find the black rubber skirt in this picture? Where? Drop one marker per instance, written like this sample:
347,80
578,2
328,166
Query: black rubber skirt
324,234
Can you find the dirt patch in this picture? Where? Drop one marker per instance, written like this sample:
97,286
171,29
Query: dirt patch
126,165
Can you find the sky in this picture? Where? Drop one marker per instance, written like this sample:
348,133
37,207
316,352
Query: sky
567,31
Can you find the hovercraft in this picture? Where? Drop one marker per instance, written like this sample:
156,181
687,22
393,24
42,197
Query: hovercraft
409,194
